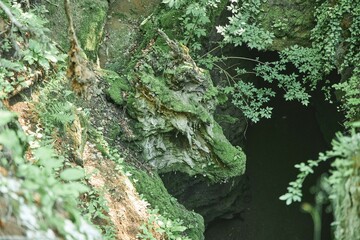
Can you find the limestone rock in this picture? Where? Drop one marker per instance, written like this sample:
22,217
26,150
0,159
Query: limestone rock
173,103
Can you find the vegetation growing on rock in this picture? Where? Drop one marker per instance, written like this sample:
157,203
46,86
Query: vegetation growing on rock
152,111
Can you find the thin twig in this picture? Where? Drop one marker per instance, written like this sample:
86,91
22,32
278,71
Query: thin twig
246,59
54,4
210,51
227,75
237,75
12,17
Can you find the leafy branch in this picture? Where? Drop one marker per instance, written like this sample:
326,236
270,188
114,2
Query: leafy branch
345,155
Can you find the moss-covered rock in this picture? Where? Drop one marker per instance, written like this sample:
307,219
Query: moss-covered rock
118,86
153,190
290,20
174,101
122,32
89,18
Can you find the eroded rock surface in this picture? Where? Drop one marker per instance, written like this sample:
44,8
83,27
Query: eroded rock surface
173,103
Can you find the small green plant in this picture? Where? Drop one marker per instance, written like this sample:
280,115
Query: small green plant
250,99
341,185
280,24
171,229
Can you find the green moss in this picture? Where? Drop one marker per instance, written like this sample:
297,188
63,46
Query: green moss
114,132
90,25
291,21
119,86
232,158
153,190
89,18
176,126
172,101
226,118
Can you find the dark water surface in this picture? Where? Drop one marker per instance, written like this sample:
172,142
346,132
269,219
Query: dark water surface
273,147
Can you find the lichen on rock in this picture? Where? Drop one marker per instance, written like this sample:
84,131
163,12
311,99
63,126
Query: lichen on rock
174,102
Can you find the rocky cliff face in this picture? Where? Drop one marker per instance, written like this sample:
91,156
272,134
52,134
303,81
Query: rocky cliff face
173,104
290,20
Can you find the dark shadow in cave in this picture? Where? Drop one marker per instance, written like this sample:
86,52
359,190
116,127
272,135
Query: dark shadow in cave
273,146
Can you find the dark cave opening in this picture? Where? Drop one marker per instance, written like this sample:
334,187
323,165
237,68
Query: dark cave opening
252,210
294,134
273,146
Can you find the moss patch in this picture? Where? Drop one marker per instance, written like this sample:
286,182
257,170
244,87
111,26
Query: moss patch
119,86
89,18
154,191
291,21
122,32
173,103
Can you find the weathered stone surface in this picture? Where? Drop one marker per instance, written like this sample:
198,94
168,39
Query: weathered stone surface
219,200
89,18
290,20
122,31
173,103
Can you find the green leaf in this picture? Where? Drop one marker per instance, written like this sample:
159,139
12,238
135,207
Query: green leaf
10,140
51,58
355,124
285,196
44,63
78,187
72,174
6,117
178,228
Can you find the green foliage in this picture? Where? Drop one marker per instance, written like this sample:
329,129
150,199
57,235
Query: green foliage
173,3
351,95
55,110
296,85
243,27
341,186
195,20
336,37
95,208
43,203
172,229
335,46
49,191
345,159
30,51
250,99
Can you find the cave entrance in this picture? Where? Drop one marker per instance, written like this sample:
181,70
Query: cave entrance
273,146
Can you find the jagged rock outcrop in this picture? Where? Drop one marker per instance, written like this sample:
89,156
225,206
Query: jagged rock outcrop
173,104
